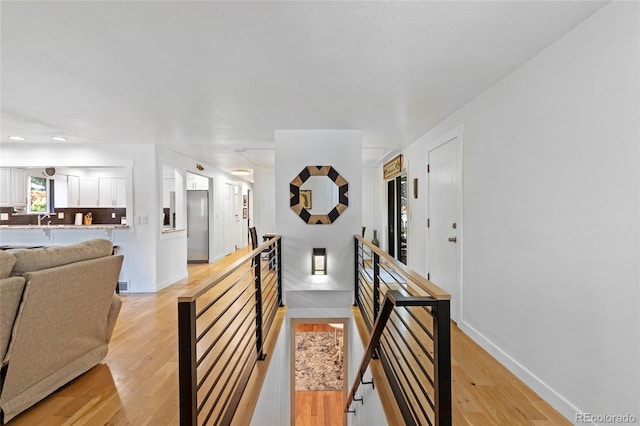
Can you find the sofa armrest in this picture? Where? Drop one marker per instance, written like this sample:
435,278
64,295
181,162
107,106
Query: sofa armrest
114,310
63,317
10,296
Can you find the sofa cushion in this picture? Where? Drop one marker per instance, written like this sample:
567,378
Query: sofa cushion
29,260
7,260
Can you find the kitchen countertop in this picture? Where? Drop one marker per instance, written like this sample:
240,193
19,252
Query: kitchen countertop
45,227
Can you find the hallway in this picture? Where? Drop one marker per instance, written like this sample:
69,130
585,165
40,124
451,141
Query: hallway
138,382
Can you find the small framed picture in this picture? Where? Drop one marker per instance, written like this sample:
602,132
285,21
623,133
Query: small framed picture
244,200
244,213
305,198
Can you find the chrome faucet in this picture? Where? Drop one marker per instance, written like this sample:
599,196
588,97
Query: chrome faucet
42,216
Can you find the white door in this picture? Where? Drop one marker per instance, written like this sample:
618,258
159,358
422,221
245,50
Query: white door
444,221
240,232
229,220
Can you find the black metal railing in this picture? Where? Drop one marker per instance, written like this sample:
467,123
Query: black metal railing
222,324
408,319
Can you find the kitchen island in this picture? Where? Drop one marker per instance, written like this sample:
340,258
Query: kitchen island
50,235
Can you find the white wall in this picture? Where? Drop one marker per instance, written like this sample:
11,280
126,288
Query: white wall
370,411
295,150
372,216
264,184
551,239
273,406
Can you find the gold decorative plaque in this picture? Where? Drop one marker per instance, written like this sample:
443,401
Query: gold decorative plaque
392,167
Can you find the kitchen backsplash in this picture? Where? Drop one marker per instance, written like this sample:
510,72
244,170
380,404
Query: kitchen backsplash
100,216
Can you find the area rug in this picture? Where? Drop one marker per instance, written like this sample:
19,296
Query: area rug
317,365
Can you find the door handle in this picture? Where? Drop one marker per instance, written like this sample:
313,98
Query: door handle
452,239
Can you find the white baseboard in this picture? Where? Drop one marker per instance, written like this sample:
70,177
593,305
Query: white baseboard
557,401
167,282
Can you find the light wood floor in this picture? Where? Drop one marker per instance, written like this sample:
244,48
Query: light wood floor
138,382
319,408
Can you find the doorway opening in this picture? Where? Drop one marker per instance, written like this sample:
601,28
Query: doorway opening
318,370
397,218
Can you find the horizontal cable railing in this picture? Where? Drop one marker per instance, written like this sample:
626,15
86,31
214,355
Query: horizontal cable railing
222,325
409,322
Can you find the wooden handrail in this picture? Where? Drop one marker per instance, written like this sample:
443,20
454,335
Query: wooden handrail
210,390
428,398
207,284
392,299
426,285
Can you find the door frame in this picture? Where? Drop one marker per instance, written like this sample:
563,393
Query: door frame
456,133
391,214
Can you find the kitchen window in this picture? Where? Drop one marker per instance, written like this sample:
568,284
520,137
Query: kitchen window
38,195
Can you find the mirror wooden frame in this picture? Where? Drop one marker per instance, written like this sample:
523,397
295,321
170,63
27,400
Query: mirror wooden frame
304,214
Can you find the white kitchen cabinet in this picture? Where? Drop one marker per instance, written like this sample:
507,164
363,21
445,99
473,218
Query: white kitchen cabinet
5,187
73,190
13,187
88,190
197,183
19,187
120,186
112,192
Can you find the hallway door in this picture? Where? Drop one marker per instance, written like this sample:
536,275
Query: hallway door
239,237
229,220
444,215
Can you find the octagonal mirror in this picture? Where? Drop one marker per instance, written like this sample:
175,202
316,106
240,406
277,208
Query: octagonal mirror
319,195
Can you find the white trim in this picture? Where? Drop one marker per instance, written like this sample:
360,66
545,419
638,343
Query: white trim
547,393
170,281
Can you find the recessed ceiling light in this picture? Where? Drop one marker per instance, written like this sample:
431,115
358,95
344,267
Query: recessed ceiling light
241,172
16,138
58,138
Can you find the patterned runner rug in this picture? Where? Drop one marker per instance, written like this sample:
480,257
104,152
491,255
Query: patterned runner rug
318,366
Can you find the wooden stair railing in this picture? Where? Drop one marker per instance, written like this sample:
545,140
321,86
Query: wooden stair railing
409,322
222,324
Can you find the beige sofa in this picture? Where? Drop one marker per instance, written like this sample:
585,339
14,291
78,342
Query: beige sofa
57,313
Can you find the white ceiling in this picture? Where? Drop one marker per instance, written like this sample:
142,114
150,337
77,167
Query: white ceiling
215,79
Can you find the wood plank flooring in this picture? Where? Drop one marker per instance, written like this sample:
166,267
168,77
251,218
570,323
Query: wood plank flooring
319,408
138,382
